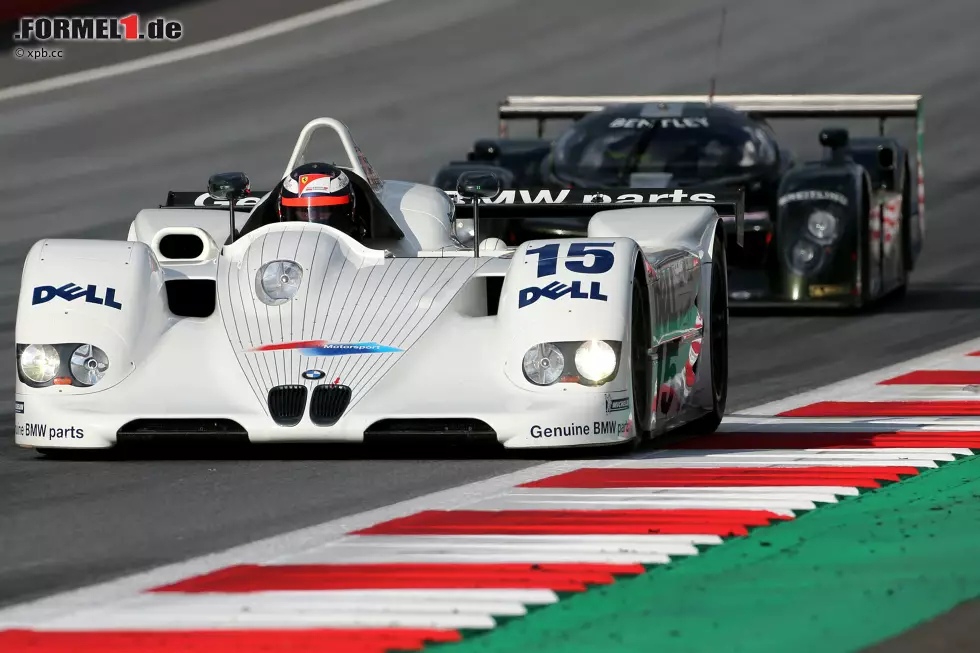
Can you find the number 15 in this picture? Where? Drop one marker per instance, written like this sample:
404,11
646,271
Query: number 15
602,261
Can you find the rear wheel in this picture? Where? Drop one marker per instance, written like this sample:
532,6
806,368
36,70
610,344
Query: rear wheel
864,254
717,322
903,283
905,239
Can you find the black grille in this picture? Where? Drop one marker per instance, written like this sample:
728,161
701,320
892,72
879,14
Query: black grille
463,430
328,403
287,403
182,430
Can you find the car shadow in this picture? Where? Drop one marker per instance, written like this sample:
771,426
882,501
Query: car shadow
187,451
926,298
205,450
830,434
790,311
920,298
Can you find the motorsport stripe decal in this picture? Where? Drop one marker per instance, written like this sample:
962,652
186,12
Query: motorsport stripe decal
832,440
886,409
610,477
258,578
935,377
225,641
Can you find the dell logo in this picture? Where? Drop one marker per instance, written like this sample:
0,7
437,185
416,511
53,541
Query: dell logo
70,292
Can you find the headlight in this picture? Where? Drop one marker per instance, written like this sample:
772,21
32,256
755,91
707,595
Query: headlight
543,364
40,363
595,360
803,255
822,226
277,282
89,364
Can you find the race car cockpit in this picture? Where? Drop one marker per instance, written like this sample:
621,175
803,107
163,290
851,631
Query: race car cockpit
369,211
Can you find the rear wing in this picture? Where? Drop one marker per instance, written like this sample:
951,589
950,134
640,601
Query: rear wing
545,107
580,202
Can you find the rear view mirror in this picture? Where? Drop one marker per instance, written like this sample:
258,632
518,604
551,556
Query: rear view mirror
834,138
886,157
478,184
484,150
228,186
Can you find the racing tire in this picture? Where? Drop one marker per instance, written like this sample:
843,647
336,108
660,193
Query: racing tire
903,287
718,339
864,255
905,239
640,341
641,337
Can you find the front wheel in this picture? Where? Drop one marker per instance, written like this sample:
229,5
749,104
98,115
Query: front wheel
640,337
717,336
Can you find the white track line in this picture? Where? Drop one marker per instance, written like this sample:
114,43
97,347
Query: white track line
751,423
492,555
192,51
821,494
777,506
815,458
768,463
312,600
941,359
234,618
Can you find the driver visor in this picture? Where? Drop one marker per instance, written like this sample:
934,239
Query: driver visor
316,200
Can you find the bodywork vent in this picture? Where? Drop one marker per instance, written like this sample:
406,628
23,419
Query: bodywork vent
328,403
191,297
462,430
146,430
287,404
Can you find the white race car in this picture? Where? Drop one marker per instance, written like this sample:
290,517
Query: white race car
287,331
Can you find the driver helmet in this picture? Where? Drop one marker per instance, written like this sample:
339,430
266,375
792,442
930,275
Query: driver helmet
320,193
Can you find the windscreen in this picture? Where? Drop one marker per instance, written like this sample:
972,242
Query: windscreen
608,150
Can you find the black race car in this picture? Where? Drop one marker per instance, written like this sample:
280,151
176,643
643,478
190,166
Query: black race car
840,231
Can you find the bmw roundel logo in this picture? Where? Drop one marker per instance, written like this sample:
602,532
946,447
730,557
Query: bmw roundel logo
313,375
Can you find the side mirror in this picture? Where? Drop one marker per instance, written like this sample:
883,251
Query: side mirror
228,186
886,158
834,138
484,150
478,184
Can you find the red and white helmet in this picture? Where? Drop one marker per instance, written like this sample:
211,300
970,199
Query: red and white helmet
320,193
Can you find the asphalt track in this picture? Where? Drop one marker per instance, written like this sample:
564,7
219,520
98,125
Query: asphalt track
417,80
